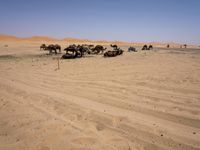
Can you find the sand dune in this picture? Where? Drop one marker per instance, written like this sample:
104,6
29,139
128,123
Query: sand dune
146,100
8,38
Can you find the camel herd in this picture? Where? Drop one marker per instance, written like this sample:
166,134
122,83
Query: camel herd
78,51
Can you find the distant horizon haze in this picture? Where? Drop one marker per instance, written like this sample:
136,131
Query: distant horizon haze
43,38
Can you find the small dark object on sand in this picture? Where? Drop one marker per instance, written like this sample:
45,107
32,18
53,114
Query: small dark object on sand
132,49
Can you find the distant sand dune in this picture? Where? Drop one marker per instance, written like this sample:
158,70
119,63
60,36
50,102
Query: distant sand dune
43,39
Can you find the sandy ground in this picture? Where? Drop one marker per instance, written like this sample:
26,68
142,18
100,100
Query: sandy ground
146,100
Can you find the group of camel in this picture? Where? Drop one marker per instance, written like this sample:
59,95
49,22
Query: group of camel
74,51
145,47
78,51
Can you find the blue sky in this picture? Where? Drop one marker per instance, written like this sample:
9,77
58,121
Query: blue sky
124,20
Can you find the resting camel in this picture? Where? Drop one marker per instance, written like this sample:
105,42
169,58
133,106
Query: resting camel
73,51
98,49
70,56
110,54
150,47
116,51
115,47
145,47
132,49
113,53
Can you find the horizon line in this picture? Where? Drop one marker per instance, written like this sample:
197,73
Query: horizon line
90,40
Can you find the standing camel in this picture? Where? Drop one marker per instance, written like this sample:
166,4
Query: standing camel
58,47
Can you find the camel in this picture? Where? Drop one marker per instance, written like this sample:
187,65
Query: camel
113,53
73,51
115,47
185,45
116,51
168,46
150,47
84,49
58,47
70,56
98,49
132,49
110,54
120,52
51,48
145,47
43,46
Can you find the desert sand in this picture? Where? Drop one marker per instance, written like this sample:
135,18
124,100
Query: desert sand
145,100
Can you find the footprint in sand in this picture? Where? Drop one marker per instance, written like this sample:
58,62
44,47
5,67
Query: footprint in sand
100,127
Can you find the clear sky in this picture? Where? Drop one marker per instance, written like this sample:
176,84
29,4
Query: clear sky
125,20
